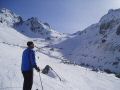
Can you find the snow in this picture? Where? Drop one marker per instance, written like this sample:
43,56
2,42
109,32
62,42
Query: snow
87,47
7,17
78,48
10,35
73,77
34,28
111,15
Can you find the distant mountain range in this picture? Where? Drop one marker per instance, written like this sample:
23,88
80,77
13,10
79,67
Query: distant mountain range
32,27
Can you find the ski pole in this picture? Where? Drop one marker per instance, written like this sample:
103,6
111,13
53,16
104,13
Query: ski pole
57,75
41,81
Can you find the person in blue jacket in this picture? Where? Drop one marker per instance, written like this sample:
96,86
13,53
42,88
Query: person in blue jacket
28,63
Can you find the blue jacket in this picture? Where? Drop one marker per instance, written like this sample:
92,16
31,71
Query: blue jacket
28,60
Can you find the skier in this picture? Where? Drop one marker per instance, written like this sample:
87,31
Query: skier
28,63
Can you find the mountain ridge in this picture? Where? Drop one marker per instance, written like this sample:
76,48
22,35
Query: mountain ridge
31,27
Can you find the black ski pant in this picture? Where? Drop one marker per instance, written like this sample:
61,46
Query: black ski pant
28,80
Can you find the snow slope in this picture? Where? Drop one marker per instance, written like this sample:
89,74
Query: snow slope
73,77
98,46
10,35
12,44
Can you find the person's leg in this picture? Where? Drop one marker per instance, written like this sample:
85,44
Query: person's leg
26,78
30,79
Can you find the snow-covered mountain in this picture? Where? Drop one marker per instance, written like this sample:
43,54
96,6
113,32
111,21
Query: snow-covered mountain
33,27
37,29
98,46
84,47
7,17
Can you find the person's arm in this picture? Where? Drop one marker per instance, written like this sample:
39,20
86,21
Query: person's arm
33,60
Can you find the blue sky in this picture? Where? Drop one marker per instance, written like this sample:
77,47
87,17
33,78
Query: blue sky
66,16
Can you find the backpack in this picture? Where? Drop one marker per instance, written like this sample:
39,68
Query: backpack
46,69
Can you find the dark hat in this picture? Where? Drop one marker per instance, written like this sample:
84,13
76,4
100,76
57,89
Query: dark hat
29,43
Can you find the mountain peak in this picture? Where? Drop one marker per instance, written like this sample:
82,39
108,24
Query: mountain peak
112,15
4,10
8,17
34,19
35,23
114,10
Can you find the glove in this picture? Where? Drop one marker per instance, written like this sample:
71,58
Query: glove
37,69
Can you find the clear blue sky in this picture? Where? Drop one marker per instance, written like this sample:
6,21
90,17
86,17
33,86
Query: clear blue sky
63,15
